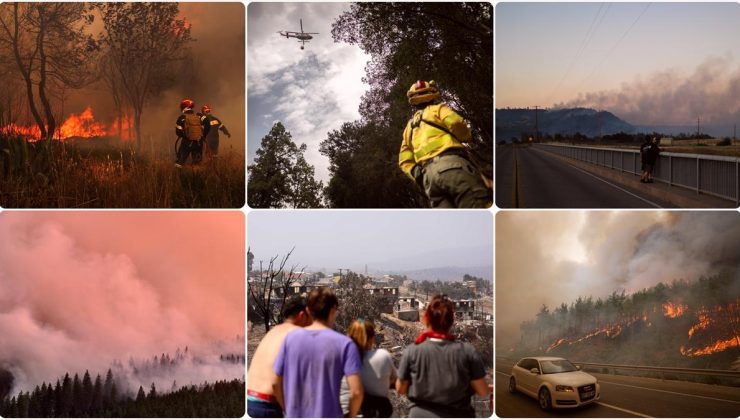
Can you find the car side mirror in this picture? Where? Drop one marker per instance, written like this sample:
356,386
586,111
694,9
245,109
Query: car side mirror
535,371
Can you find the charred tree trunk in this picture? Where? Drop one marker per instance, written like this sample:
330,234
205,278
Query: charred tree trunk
25,71
137,126
51,122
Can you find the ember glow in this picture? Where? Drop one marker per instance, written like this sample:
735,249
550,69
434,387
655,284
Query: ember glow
672,310
81,125
719,321
612,330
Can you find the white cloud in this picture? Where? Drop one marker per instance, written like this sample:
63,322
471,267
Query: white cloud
312,91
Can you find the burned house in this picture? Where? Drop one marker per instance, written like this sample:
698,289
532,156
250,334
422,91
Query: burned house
407,309
464,309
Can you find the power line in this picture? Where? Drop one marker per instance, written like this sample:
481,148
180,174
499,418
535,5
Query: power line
586,40
624,35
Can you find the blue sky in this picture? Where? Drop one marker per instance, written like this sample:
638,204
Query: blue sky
311,91
350,239
652,62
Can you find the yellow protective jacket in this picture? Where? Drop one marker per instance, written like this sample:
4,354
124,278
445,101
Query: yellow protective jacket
428,141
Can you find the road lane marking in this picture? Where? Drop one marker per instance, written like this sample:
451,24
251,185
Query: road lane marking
614,407
613,185
670,392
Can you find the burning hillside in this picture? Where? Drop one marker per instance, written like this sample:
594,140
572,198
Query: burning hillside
684,324
82,125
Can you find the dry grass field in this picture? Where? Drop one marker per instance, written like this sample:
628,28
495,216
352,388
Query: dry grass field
33,175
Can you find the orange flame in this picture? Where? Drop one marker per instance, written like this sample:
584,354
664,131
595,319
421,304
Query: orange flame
76,125
82,125
718,346
715,321
672,310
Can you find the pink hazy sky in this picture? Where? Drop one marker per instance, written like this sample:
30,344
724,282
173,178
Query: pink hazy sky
80,289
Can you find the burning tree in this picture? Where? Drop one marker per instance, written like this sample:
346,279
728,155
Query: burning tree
48,45
144,42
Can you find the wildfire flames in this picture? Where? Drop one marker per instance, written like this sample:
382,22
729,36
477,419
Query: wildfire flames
611,331
723,319
76,125
673,310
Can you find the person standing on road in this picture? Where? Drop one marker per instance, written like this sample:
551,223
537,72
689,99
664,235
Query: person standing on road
312,361
652,158
439,374
261,400
644,147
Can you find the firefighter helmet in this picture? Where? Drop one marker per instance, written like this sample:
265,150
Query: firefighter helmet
205,108
186,103
422,92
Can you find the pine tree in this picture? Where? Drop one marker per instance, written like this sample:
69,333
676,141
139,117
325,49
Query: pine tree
280,176
140,396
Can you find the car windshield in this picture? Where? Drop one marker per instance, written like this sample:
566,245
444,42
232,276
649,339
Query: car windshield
557,366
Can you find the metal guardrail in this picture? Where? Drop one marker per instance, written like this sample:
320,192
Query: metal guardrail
663,370
706,174
659,369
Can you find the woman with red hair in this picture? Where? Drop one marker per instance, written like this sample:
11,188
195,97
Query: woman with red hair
437,373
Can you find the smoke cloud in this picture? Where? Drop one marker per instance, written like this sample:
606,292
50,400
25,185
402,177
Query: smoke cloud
214,76
711,92
554,257
79,291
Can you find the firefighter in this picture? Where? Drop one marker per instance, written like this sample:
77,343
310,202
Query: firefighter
191,129
432,153
214,125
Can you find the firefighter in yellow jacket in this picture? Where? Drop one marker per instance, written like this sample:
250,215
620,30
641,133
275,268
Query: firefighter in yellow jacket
432,153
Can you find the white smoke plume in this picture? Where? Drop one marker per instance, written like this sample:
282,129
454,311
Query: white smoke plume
79,291
554,257
670,97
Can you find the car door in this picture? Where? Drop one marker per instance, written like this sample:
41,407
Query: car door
529,380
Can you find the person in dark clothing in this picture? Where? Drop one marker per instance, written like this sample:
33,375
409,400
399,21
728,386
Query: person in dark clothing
191,129
214,126
651,156
644,147
439,374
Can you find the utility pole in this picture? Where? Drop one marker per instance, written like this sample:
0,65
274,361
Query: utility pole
697,127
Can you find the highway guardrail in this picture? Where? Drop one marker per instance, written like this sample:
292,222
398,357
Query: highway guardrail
718,176
662,371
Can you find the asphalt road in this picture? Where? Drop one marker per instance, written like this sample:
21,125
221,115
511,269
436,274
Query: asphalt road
531,178
625,396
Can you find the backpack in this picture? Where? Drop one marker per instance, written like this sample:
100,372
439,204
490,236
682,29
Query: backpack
193,128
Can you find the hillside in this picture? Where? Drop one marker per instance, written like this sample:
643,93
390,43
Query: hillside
512,122
683,324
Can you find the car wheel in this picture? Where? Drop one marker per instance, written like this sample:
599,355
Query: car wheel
544,398
512,385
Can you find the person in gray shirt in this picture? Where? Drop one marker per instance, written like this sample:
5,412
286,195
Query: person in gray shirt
437,373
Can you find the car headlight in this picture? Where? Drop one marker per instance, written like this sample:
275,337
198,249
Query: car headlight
563,388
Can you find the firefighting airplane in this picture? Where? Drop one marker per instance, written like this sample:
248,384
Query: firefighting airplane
302,37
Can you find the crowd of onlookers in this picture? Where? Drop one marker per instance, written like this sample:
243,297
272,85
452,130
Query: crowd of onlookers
304,368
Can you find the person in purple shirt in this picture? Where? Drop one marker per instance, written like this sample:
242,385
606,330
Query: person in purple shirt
312,361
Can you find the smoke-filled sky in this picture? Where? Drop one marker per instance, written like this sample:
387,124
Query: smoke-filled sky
554,257
79,290
216,78
656,63
311,91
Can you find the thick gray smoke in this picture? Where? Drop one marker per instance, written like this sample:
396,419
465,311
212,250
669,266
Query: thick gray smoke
711,92
554,257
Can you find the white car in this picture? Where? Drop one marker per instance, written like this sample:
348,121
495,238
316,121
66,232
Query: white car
554,382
